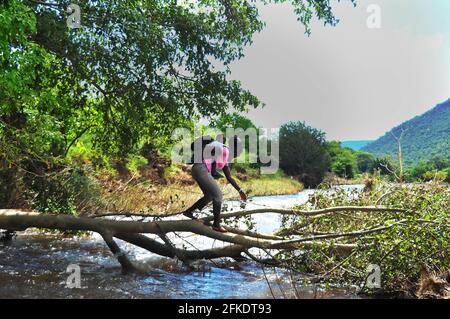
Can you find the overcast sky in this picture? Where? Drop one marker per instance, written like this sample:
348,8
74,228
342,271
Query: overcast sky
350,81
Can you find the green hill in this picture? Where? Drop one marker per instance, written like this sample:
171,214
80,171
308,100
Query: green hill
426,136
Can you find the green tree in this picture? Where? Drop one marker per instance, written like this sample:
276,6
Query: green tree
439,162
149,64
384,165
365,162
303,152
447,172
233,120
343,160
428,170
132,73
424,137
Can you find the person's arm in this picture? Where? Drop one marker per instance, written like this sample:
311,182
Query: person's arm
230,179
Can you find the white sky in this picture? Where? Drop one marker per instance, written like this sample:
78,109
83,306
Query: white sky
350,81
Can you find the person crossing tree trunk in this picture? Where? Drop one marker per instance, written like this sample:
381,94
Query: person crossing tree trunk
203,171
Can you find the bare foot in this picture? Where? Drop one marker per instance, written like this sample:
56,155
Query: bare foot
220,229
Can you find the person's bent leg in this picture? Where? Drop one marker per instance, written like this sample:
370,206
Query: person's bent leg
198,205
211,190
217,206
200,175
217,198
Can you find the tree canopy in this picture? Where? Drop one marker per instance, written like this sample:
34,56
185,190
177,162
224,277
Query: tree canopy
133,71
343,160
303,152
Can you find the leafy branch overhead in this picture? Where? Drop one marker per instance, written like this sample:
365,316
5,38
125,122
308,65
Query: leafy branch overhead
132,65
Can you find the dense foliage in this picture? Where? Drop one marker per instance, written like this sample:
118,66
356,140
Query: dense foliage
343,160
303,152
401,244
365,162
133,71
425,136
437,168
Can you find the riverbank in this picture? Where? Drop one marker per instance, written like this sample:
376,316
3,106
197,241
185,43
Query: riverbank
43,274
396,241
145,190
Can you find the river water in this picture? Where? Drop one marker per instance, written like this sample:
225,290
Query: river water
36,265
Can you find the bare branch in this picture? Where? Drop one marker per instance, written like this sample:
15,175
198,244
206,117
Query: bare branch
311,213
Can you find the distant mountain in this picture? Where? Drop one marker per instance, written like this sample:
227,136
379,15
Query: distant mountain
355,145
425,136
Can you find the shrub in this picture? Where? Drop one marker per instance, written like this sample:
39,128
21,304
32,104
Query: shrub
58,190
365,162
343,160
406,243
303,153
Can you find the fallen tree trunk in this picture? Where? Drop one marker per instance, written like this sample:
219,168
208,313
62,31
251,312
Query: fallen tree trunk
63,222
162,250
133,232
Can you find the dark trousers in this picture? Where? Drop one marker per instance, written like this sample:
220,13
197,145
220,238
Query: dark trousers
210,189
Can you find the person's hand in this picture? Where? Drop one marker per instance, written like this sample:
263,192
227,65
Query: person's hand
243,195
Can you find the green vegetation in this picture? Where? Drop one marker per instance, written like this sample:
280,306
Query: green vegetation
437,168
405,245
425,137
434,169
349,164
303,153
76,103
276,184
425,142
86,121
233,120
365,162
343,160
237,121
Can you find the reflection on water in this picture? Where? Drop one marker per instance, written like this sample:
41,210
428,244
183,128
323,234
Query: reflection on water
34,266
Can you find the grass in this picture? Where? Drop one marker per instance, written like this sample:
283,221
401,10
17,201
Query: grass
141,194
333,180
276,184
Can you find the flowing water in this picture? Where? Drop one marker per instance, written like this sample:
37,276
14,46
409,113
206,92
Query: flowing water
35,266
